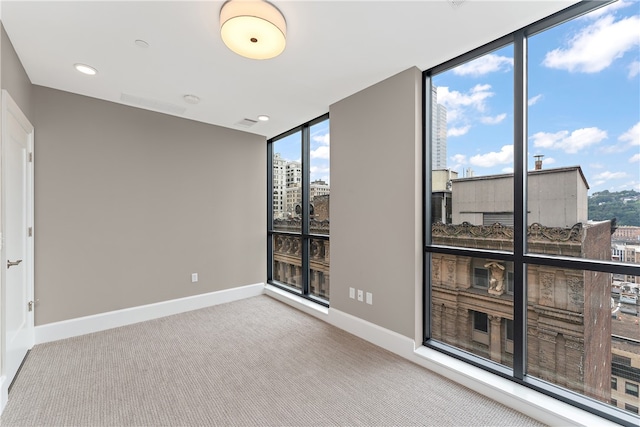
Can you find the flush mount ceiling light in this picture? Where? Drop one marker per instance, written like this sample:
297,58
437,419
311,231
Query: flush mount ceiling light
85,69
253,29
263,118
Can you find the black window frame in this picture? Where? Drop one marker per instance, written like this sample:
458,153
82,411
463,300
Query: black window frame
519,257
305,235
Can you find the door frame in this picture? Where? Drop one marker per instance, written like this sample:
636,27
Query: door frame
9,106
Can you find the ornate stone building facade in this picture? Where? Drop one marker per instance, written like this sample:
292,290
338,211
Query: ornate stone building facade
287,250
568,311
568,334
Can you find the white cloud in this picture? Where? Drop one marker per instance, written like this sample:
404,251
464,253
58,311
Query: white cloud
569,143
606,176
635,158
459,158
534,100
454,100
484,65
322,139
487,120
546,161
462,107
634,69
318,169
597,165
321,152
606,10
504,156
458,161
632,136
597,45
628,139
458,131
507,170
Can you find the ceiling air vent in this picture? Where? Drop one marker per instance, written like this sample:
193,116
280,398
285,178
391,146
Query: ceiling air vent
247,123
456,3
152,104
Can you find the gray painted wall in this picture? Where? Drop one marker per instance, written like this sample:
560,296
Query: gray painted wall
376,173
129,203
14,78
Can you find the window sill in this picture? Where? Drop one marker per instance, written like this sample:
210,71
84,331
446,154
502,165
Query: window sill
530,402
295,301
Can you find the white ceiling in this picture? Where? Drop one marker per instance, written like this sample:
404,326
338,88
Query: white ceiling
334,49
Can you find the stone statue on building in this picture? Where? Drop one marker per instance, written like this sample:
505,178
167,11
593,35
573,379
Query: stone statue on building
496,281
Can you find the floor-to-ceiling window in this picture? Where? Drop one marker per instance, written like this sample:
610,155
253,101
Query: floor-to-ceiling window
298,215
533,207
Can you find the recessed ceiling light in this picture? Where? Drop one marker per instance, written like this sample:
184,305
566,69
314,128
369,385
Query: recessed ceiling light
141,43
85,69
191,99
263,118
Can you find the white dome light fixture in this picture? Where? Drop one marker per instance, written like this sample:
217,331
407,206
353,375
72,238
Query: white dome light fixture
254,29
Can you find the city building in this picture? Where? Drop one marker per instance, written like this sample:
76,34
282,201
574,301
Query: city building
439,126
279,186
472,297
627,233
441,183
318,188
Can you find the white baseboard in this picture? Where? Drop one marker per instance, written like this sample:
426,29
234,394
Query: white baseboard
523,399
114,319
4,393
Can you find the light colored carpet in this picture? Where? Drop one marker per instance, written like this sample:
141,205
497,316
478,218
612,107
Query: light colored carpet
250,362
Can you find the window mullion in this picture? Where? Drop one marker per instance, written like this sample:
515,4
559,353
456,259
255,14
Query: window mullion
520,206
269,209
306,159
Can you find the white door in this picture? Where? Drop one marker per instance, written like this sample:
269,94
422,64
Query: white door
17,226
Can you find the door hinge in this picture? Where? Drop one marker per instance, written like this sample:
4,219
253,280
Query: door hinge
30,231
30,157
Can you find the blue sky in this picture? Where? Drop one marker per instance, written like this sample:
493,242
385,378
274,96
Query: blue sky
583,97
290,149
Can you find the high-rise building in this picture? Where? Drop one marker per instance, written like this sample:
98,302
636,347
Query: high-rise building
279,185
439,132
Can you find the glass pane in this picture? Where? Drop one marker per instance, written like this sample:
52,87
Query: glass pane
584,137
287,183
319,268
320,178
472,305
580,335
287,260
472,153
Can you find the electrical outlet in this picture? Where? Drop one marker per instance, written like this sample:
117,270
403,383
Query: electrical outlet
360,295
194,277
352,293
369,298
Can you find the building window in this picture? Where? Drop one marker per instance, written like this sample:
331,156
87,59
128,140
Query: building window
530,233
298,216
631,408
481,278
480,327
631,388
480,322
